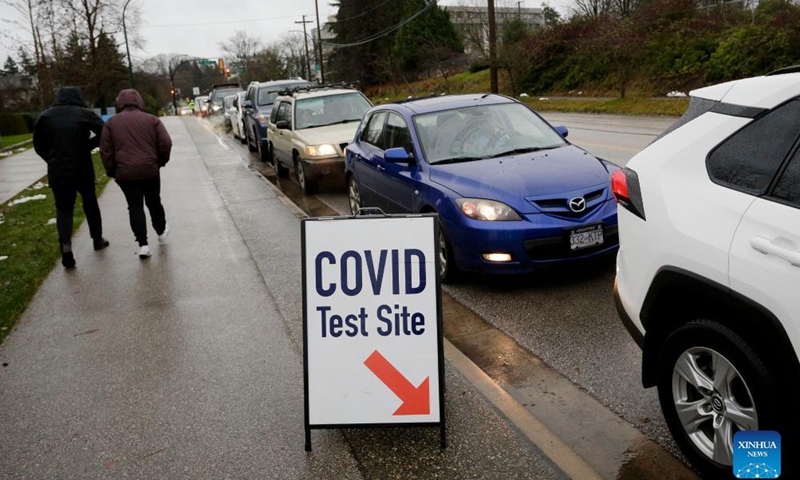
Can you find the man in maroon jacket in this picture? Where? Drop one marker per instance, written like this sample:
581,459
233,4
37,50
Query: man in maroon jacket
134,146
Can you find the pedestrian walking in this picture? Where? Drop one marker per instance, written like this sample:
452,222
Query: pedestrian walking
134,147
64,136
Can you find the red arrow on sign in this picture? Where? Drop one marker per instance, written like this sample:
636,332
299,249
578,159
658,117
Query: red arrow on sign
416,400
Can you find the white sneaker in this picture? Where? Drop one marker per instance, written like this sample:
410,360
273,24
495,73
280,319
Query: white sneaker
163,237
145,252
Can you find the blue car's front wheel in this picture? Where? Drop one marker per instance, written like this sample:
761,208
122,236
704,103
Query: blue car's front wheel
353,195
448,271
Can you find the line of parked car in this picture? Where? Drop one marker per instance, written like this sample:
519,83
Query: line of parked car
709,266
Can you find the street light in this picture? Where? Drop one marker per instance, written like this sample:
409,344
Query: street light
127,48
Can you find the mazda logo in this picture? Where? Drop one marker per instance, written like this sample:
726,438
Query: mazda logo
577,204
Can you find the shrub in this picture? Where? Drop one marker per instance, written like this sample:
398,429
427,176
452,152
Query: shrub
13,124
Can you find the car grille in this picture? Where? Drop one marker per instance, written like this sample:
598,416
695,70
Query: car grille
560,206
553,248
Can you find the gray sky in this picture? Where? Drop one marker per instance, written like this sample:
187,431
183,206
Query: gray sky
195,27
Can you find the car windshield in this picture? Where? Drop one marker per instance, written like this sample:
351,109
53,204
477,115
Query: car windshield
267,95
329,110
485,131
220,94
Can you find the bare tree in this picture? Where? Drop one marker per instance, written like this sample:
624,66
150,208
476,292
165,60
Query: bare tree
292,48
240,49
593,8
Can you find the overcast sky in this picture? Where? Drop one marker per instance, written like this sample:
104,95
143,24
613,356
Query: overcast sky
196,27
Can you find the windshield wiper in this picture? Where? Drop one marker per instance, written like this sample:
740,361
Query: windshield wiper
457,160
523,150
341,121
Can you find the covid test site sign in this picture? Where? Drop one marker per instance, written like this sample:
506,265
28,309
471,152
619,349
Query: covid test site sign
372,324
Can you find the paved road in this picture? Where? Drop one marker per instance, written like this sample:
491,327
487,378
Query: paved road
567,317
18,172
188,365
614,137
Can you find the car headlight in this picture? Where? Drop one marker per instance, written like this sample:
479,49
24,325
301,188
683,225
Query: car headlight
489,210
324,150
263,119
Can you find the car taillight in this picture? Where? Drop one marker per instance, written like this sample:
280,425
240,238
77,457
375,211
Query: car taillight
625,186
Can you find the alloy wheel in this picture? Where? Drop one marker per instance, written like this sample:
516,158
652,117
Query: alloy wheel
354,196
442,254
712,401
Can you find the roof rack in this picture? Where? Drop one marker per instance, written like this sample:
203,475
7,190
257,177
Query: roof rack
323,86
782,71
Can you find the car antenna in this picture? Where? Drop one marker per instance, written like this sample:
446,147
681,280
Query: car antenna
485,95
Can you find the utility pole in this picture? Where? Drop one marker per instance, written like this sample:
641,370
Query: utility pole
319,45
127,48
492,48
519,10
305,39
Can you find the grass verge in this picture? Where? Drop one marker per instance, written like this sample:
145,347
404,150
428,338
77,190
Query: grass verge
9,140
31,246
478,82
619,106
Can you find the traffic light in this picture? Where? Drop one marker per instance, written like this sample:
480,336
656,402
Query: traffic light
171,89
228,72
221,66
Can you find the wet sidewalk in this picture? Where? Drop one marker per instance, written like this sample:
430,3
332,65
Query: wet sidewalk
188,364
18,172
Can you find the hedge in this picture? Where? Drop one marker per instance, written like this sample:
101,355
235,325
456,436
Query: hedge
13,124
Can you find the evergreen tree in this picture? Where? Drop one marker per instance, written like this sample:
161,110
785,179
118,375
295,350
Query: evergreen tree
10,67
426,41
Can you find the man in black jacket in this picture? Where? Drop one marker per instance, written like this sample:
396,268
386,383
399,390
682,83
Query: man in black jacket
64,136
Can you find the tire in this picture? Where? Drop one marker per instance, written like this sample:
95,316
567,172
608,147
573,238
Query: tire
448,270
280,169
353,195
262,154
309,186
250,146
690,360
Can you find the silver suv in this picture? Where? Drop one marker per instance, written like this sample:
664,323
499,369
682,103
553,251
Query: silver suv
309,129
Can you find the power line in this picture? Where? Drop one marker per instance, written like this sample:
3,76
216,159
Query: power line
251,20
385,32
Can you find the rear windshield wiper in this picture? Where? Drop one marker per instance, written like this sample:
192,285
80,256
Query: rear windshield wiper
523,150
457,160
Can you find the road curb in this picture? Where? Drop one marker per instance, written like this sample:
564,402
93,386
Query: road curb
542,437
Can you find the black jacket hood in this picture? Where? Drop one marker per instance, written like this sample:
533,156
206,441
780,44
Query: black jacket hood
71,96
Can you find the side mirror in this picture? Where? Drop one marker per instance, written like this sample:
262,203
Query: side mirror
562,130
397,155
282,125
247,104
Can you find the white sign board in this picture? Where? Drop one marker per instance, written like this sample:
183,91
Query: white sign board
196,91
373,340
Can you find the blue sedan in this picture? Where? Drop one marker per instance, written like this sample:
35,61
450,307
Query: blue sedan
511,193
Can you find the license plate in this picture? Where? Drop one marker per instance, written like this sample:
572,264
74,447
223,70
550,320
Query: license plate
586,237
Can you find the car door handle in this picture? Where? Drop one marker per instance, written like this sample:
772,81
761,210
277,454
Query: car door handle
380,168
767,247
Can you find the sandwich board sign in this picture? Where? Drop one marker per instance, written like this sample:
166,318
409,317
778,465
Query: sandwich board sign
372,323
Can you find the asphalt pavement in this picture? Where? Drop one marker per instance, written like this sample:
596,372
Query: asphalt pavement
188,364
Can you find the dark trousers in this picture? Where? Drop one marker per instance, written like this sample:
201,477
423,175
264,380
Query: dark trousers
65,195
149,191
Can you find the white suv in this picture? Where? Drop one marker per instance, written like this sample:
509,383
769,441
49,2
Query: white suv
708,271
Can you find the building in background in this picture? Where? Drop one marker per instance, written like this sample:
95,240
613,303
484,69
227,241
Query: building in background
472,23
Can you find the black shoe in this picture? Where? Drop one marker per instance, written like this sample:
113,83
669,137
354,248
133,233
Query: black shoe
101,243
67,259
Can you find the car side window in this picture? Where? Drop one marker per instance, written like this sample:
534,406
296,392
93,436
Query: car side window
788,186
749,160
273,115
396,133
284,113
374,130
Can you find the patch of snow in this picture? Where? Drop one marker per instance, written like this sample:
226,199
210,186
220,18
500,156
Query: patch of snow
38,186
676,94
5,154
96,150
52,221
3,257
18,201
523,95
580,93
19,150
543,99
